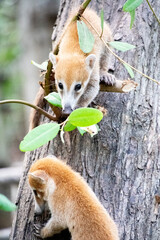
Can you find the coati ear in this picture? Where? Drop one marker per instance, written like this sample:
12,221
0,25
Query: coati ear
90,60
53,58
38,176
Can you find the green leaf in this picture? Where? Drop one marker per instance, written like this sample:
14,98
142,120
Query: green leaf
122,46
102,19
86,38
132,13
39,136
6,204
42,66
81,131
83,117
131,73
54,99
131,5
69,127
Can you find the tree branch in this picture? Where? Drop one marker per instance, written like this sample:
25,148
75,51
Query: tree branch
40,110
119,86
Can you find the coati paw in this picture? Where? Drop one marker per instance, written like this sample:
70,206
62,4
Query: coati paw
108,79
37,230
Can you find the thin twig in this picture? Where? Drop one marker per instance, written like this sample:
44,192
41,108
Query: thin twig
121,60
81,10
153,11
40,110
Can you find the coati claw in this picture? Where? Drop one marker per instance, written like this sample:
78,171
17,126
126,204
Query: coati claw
108,79
37,229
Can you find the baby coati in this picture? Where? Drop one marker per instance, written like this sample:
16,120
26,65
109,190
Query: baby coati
77,74
71,201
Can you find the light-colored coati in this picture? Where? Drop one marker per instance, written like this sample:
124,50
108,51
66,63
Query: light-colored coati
78,74
72,203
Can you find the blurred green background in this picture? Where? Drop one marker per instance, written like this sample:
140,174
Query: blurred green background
25,34
11,116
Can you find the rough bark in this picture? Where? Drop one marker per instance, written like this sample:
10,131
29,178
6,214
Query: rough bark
122,162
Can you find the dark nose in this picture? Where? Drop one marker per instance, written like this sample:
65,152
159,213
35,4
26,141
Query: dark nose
67,109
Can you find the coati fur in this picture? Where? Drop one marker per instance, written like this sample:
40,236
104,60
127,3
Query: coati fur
77,74
71,201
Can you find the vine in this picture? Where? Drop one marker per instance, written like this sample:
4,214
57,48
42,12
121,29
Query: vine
121,60
153,11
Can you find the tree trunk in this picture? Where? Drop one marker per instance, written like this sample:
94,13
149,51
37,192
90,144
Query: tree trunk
122,162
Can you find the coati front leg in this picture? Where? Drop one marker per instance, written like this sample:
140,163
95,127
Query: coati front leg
52,227
105,76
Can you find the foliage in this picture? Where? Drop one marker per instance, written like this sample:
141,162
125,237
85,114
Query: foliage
126,65
130,6
54,99
102,21
42,66
131,73
6,204
121,46
86,39
69,127
82,117
39,136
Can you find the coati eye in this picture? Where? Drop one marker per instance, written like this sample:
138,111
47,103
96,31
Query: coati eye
77,87
35,192
60,85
